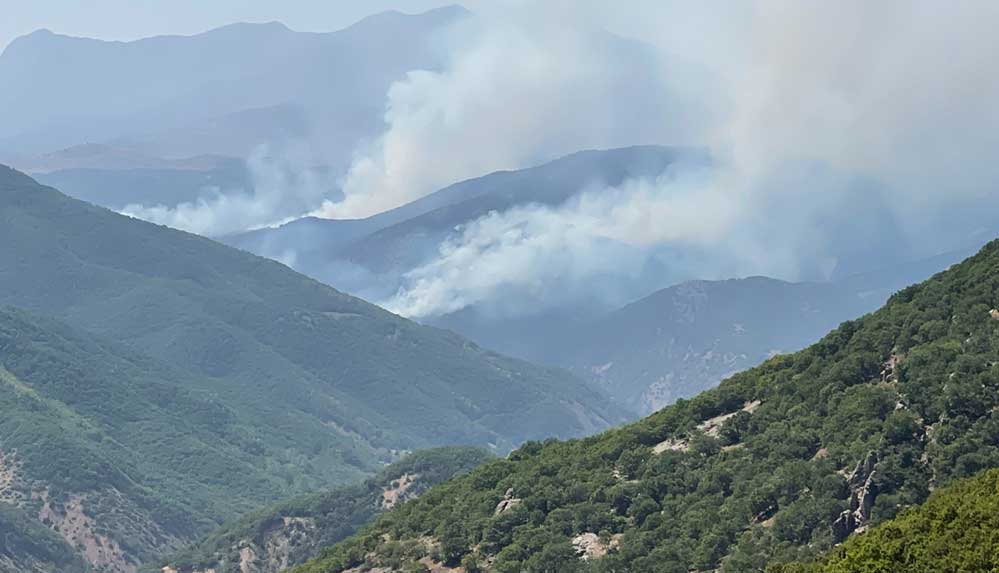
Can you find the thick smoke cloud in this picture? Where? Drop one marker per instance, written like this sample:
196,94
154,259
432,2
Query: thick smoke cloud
519,87
284,186
845,136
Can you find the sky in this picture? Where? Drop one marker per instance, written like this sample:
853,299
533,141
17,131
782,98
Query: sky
132,19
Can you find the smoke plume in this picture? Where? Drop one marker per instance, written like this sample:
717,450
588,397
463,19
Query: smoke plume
845,136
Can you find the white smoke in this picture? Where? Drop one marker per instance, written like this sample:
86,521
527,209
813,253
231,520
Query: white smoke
840,130
284,186
534,252
519,87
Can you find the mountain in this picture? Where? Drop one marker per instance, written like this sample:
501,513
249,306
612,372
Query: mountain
684,339
955,530
323,385
369,255
291,532
118,188
777,464
671,344
169,95
106,157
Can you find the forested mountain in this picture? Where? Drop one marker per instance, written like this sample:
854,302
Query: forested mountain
120,454
309,386
777,464
288,533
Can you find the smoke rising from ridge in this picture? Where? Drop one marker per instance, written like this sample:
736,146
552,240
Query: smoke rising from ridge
843,134
516,90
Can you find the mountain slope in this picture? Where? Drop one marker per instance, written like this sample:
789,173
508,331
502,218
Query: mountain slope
956,530
108,448
249,322
288,533
777,464
684,339
326,384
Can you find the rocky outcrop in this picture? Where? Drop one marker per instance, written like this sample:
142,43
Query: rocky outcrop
81,531
398,491
889,370
508,502
863,492
710,427
590,546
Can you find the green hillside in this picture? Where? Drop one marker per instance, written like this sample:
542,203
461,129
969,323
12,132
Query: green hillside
290,532
199,381
777,464
103,443
956,530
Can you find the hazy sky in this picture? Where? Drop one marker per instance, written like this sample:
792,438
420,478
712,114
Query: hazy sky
131,19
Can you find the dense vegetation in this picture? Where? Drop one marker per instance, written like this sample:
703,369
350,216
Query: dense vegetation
314,521
276,386
777,464
151,457
956,530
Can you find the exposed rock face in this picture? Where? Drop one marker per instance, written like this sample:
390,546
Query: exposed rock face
711,427
590,546
889,372
80,530
279,543
864,491
671,445
508,502
398,491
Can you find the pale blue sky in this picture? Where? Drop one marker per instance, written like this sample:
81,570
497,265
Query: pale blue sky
130,19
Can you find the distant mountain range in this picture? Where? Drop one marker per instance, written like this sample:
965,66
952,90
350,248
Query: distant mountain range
190,381
219,92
